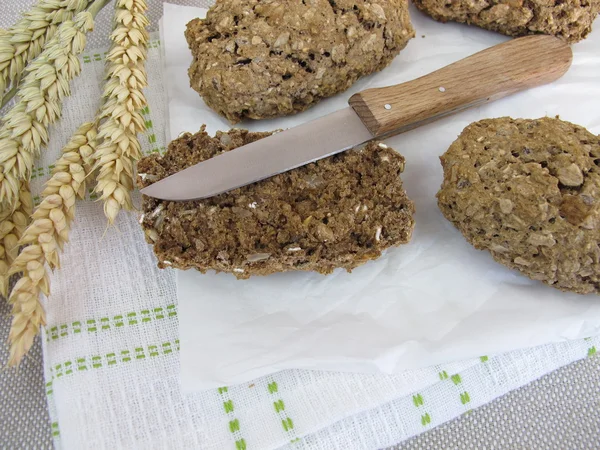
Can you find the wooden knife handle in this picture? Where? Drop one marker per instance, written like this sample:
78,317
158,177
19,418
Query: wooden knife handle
493,73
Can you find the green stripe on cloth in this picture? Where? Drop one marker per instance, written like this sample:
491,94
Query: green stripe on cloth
233,422
110,323
464,395
112,359
150,133
91,57
286,421
419,403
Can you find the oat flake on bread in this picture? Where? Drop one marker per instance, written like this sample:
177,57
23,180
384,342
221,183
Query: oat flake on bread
570,20
270,58
528,191
338,212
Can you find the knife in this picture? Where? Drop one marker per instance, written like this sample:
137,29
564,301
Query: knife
377,113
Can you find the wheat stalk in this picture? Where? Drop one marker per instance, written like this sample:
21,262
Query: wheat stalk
24,41
46,235
120,116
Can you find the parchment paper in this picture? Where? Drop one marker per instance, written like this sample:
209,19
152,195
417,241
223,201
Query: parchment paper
429,302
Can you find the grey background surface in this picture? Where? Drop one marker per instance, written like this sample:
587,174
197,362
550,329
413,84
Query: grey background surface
560,411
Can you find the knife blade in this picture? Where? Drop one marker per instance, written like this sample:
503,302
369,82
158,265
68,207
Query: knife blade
264,158
493,73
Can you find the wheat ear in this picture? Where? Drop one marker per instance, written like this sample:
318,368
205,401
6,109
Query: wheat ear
24,41
25,128
45,237
120,115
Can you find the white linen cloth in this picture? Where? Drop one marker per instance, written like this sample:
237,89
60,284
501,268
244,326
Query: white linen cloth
111,348
434,300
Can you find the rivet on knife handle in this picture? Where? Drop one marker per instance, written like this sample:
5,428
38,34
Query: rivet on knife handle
493,73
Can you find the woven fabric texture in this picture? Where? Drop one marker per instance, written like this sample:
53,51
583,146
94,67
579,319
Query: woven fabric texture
559,411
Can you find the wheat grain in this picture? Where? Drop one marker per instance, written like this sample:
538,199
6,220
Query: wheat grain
23,132
13,222
120,116
24,41
46,235
25,128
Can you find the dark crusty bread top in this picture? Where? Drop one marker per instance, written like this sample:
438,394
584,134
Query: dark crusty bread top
268,58
570,20
337,212
529,192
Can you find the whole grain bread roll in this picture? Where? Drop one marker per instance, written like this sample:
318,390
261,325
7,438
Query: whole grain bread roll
528,191
263,59
341,211
570,20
